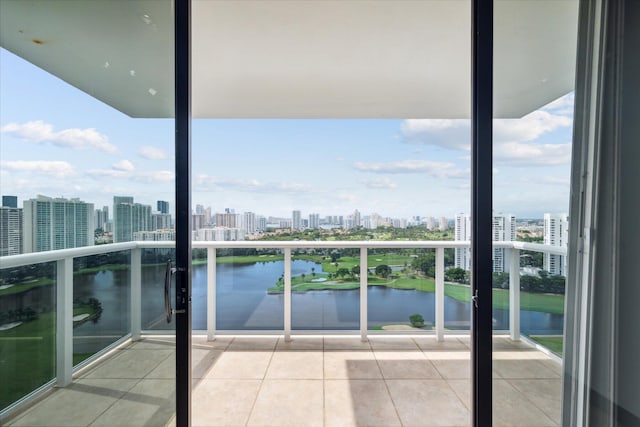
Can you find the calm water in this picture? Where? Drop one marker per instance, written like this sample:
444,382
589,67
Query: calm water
243,303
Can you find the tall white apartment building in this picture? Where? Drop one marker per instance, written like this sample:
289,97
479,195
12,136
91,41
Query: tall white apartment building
314,220
249,224
11,223
444,224
218,234
228,219
462,232
356,218
296,220
430,222
129,217
57,223
261,223
160,221
503,229
155,235
556,233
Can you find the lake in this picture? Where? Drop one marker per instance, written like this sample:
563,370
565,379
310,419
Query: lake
243,304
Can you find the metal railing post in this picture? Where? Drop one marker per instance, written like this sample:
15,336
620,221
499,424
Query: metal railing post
363,294
211,293
287,294
64,322
136,293
514,294
440,294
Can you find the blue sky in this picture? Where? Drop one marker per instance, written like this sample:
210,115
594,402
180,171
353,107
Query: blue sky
58,141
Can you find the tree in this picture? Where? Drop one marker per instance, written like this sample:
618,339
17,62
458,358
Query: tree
455,274
383,271
425,264
313,271
355,270
303,276
342,272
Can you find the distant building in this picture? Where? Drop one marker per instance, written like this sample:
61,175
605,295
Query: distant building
10,201
101,217
156,235
219,234
444,224
430,222
128,218
503,229
11,223
228,219
249,223
57,223
356,218
197,221
162,206
296,222
556,233
161,221
261,223
314,220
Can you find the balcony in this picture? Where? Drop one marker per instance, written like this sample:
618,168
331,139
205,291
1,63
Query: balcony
346,369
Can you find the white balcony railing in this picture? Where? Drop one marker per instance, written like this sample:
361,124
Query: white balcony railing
64,288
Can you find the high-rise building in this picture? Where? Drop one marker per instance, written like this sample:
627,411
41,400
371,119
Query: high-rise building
249,223
356,218
129,217
261,223
228,219
155,235
462,232
556,233
57,223
160,221
444,223
430,223
314,220
503,229
162,206
197,221
10,201
11,223
296,222
101,218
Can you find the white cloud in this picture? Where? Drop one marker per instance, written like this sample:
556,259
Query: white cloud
39,131
205,182
54,168
528,128
123,165
379,183
152,153
446,133
527,154
436,169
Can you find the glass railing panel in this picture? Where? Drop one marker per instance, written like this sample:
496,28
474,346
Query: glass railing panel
542,310
325,289
401,289
154,268
247,292
101,302
27,329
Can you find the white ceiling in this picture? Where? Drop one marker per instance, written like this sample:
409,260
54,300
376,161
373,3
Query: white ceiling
299,59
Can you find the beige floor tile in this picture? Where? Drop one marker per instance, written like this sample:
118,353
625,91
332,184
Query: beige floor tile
153,343
427,403
223,402
362,403
253,344
462,389
405,365
219,343
296,365
453,369
345,343
393,343
545,394
512,408
77,405
347,365
283,403
432,344
300,343
505,343
130,364
201,362
151,402
240,365
527,368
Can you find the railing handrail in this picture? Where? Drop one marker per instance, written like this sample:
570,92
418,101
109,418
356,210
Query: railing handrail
13,261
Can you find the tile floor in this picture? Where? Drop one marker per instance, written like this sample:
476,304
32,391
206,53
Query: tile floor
310,381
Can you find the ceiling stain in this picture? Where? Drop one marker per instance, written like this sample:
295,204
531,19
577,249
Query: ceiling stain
38,41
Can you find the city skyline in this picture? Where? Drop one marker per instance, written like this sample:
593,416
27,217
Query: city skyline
397,168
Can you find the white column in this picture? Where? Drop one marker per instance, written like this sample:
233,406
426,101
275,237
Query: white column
64,322
514,294
440,294
136,293
287,294
363,294
211,294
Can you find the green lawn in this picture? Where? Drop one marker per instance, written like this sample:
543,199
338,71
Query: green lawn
552,343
